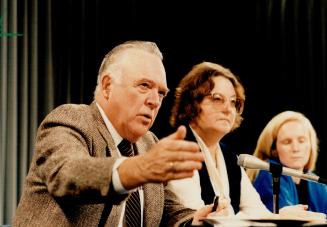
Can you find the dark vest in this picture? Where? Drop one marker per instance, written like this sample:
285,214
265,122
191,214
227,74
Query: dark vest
233,172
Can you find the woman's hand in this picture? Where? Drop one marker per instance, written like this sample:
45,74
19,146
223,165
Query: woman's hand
207,211
300,211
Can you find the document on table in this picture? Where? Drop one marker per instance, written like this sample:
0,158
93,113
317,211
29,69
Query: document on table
218,221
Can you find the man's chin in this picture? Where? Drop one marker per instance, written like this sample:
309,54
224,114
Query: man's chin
141,130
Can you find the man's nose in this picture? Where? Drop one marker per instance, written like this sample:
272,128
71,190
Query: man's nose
153,99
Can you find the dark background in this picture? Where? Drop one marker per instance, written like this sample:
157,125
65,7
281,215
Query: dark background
276,47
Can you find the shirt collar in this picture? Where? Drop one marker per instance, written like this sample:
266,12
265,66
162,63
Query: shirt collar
115,135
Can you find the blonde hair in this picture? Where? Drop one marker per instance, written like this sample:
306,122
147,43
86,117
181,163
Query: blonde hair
267,140
111,60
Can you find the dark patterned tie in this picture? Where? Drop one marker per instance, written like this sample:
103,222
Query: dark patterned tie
133,204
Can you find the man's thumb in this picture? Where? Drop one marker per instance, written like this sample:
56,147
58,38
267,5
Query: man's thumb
179,134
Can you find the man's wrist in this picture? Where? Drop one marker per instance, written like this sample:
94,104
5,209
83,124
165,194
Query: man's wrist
116,182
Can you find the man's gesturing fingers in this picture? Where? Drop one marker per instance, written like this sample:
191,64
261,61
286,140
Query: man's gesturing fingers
179,134
176,142
170,158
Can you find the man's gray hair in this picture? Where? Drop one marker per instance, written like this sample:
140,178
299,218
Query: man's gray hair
110,61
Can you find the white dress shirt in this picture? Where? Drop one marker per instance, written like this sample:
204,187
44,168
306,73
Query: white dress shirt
115,176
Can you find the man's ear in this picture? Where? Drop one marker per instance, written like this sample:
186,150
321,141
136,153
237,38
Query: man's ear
105,85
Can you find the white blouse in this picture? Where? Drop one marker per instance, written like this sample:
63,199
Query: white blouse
189,190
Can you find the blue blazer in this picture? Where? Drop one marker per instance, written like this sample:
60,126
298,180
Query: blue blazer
317,193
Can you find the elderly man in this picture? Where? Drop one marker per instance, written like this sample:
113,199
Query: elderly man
93,164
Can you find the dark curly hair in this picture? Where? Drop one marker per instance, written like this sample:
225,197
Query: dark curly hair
195,86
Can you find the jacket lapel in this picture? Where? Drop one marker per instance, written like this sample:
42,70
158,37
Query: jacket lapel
111,149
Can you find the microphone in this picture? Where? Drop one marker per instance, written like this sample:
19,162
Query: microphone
252,162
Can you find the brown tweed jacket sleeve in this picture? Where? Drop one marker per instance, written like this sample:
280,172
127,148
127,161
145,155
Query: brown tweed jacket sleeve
69,180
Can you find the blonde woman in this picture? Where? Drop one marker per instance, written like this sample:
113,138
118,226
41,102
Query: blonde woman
289,139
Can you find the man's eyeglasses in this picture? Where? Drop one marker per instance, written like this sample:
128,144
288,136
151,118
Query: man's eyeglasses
220,101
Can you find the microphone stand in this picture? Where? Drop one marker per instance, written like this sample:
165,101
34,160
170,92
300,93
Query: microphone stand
276,171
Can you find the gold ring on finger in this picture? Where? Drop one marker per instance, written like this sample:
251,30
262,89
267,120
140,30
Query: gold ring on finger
172,166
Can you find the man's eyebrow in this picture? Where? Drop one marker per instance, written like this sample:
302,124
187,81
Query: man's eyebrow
144,80
165,89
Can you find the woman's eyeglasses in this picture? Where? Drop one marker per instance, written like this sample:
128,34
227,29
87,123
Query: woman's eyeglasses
220,101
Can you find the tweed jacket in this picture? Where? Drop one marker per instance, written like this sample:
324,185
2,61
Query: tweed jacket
69,180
